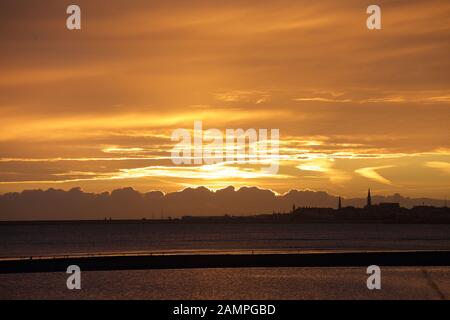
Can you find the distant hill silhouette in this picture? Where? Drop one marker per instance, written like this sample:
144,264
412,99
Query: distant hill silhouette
127,203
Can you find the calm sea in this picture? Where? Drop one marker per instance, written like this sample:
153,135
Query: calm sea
54,239
257,283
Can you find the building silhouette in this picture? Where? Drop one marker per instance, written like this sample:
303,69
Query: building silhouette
369,200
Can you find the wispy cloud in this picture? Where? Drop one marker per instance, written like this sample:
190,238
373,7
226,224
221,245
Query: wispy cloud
324,166
371,173
440,165
249,96
122,150
381,97
321,99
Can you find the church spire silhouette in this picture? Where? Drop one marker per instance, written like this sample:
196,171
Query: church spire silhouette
369,199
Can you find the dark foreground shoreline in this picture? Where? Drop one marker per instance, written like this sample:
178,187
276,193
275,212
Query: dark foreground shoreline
215,220
198,261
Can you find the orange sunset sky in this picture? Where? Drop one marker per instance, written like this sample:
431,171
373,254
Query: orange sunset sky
96,108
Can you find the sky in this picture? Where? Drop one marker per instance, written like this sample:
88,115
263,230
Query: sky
96,108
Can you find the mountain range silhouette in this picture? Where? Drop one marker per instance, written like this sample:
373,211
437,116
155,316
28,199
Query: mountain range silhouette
127,203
